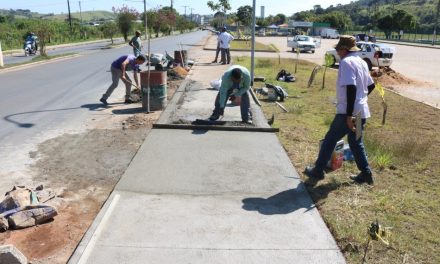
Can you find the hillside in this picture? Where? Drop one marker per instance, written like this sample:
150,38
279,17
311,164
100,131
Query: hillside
423,10
86,15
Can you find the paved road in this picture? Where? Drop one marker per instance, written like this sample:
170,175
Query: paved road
86,48
45,100
418,63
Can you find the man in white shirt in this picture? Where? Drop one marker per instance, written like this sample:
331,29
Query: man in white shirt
353,86
225,39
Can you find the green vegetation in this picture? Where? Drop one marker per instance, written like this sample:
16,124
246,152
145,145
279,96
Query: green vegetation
55,29
246,45
403,154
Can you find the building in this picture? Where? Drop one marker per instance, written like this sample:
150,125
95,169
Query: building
262,12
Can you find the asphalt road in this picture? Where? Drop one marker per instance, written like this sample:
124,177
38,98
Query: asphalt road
90,48
41,100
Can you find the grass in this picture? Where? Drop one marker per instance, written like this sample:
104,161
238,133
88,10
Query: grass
39,58
246,45
403,154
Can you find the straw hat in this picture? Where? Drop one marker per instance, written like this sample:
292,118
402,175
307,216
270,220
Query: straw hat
347,42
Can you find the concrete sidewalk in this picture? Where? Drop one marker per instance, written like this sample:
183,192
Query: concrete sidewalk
197,196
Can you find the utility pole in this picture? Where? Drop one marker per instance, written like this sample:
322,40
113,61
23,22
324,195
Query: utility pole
185,10
80,13
191,13
70,17
434,37
171,5
253,43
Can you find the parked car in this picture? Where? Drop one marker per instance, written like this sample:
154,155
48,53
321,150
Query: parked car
301,43
329,33
374,54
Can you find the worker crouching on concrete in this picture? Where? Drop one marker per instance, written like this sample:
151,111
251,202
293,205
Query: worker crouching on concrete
236,81
119,70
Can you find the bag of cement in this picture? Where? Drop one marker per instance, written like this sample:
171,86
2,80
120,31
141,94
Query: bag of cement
156,58
3,223
216,84
32,215
19,196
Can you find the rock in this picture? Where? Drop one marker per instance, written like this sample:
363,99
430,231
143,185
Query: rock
32,216
10,255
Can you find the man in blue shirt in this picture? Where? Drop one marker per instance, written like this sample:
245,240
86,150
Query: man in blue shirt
119,70
236,81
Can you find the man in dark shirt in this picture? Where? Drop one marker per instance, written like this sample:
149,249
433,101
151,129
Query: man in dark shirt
119,69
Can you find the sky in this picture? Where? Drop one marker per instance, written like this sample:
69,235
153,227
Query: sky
272,7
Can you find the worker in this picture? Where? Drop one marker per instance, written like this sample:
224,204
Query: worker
353,86
236,81
135,42
119,69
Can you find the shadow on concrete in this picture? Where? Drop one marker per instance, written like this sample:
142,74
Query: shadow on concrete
199,132
284,202
91,107
129,111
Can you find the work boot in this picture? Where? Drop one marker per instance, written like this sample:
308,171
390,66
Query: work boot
314,175
363,177
214,117
102,100
128,101
249,121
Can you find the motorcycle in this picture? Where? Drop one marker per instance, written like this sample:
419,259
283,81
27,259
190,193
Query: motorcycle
29,48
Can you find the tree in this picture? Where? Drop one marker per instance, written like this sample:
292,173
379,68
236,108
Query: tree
109,29
125,17
385,24
222,6
244,15
280,19
43,31
337,19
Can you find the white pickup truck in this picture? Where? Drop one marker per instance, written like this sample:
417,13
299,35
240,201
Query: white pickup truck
374,54
303,43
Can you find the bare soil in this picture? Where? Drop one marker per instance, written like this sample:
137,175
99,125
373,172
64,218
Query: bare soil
83,170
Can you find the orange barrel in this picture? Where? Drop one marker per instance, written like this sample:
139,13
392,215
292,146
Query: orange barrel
158,88
180,55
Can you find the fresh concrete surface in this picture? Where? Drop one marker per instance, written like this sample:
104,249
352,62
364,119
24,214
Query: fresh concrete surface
209,162
192,196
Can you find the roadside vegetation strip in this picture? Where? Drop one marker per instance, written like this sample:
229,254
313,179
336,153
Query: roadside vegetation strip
246,46
39,59
403,154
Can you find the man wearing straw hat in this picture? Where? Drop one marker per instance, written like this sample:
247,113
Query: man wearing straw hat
353,86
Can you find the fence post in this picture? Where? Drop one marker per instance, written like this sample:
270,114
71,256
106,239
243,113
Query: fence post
1,56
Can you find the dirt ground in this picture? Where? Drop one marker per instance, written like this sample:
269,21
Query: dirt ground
83,170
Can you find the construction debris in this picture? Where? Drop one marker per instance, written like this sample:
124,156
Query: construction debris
11,255
23,207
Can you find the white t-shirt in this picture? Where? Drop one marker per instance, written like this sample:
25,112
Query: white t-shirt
353,71
225,38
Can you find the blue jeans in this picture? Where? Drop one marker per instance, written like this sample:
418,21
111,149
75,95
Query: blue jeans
338,129
244,106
